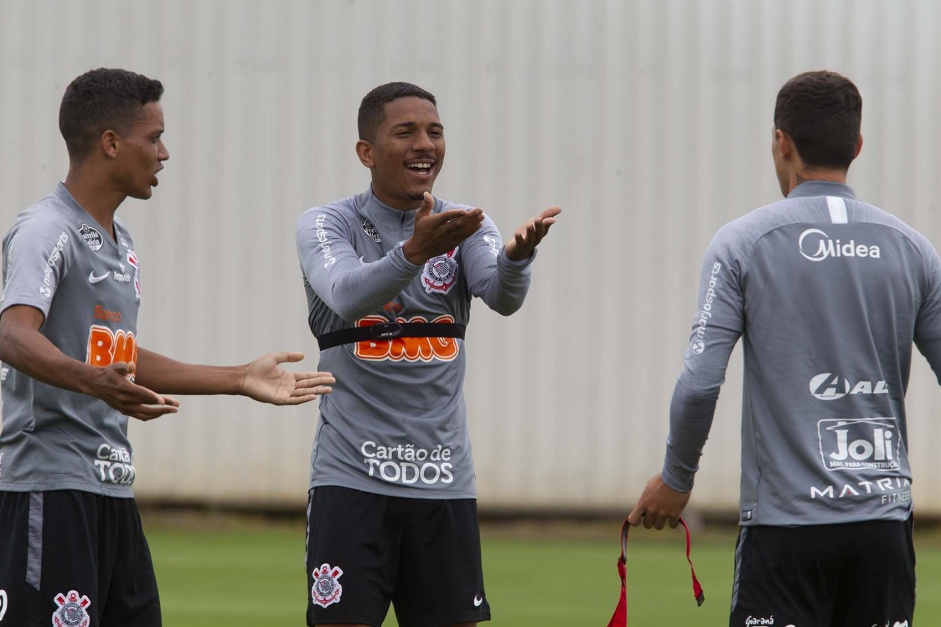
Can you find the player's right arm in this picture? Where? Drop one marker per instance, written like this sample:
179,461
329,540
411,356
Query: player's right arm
717,327
353,289
27,350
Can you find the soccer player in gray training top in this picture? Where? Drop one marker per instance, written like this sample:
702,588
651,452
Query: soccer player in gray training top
829,293
72,549
389,275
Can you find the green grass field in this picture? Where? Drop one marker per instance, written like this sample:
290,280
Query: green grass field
237,573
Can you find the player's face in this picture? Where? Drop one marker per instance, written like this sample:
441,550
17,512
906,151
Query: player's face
142,153
407,154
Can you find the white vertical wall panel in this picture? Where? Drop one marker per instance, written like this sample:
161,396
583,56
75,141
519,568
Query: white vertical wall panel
649,121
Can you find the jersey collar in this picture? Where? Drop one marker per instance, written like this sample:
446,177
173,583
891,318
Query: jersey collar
822,188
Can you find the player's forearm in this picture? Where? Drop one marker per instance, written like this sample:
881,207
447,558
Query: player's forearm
168,376
29,352
353,289
691,414
508,285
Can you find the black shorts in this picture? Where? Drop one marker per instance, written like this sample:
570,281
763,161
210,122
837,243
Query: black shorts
825,576
74,559
365,551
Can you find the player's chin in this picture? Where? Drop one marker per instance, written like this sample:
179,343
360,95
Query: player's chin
417,192
142,193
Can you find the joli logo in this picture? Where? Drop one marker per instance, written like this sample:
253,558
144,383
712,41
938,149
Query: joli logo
855,444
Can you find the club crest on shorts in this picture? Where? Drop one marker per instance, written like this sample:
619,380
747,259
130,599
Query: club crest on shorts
440,273
370,229
326,589
71,612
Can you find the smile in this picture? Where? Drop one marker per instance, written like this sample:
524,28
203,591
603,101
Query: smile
420,167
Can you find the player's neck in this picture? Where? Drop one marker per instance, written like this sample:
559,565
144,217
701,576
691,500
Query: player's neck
805,175
95,195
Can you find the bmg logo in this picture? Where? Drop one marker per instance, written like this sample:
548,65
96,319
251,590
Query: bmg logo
859,443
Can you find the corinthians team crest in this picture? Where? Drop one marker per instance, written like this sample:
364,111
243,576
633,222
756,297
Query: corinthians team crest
370,229
326,589
71,612
440,273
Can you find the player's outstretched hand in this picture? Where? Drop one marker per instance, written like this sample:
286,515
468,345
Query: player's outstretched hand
530,233
437,234
115,386
659,505
266,381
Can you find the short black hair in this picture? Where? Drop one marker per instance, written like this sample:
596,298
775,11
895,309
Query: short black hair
372,110
100,100
822,112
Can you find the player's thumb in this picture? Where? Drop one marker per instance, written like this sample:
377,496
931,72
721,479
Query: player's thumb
427,204
126,369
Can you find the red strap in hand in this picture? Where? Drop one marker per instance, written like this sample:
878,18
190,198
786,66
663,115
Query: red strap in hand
619,619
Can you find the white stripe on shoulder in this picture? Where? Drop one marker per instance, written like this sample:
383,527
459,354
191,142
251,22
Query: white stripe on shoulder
837,210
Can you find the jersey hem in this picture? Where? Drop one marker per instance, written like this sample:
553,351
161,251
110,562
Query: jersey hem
79,487
411,494
896,516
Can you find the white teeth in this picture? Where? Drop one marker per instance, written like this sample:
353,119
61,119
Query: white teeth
420,166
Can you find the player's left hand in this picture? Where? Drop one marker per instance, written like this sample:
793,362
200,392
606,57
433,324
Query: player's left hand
530,233
266,381
659,505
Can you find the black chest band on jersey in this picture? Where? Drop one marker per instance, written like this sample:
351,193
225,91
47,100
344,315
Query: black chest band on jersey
389,331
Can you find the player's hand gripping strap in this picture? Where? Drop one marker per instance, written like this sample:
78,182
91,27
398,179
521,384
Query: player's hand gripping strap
388,331
620,613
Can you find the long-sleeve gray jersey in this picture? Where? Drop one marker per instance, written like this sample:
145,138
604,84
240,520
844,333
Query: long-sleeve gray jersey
395,422
58,259
830,293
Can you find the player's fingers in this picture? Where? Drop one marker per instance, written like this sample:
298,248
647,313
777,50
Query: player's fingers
636,516
551,212
298,400
309,380
315,378
460,217
149,412
130,393
288,357
169,401
310,387
539,229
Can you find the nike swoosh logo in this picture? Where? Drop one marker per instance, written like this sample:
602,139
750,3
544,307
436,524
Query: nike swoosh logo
97,279
478,601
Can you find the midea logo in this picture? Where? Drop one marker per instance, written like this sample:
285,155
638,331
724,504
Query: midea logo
816,245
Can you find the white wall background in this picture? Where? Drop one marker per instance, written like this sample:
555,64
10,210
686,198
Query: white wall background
649,121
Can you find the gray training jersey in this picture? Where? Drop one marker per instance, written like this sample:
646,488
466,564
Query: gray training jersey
58,259
395,423
829,293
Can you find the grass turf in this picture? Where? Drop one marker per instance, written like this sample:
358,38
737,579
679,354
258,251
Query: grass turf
251,574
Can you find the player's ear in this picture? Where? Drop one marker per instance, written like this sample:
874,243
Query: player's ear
364,152
110,143
859,145
782,143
